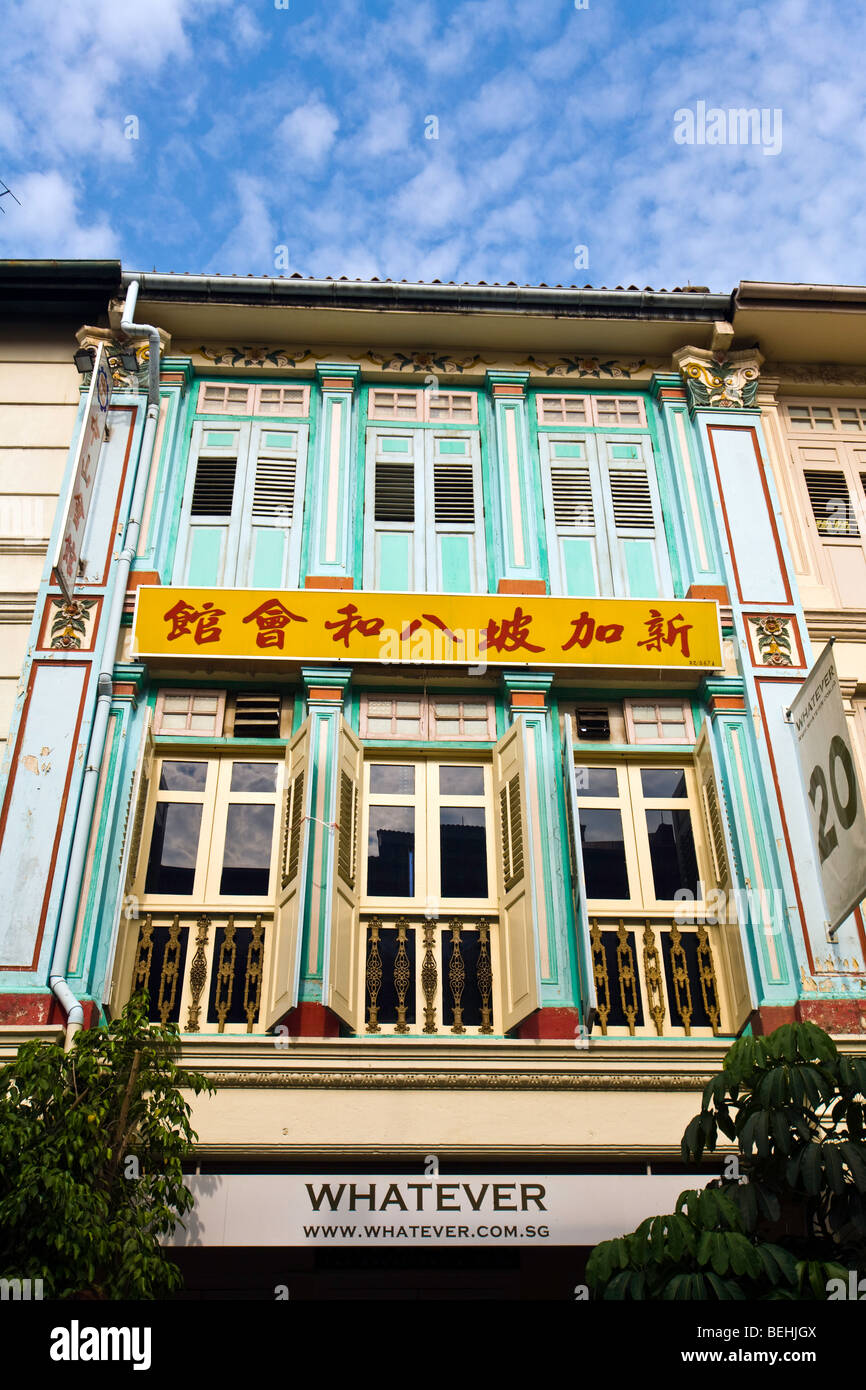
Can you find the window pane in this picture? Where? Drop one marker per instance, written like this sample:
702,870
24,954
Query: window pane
671,729
203,722
604,865
173,847
391,852
447,728
408,728
463,849
175,721
672,851
175,704
205,704
644,714
380,707
247,856
378,728
254,777
445,710
182,777
475,728
393,778
409,709
596,781
461,781
663,781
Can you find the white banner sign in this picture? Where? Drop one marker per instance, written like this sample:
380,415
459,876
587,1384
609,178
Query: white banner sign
90,437
830,778
379,1209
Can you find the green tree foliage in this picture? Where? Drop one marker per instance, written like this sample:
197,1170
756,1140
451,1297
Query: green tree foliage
790,1213
92,1143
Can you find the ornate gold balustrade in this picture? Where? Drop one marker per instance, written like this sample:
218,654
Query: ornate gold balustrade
653,974
427,976
202,970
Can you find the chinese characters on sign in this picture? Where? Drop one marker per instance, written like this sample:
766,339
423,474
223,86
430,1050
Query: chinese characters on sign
494,629
68,553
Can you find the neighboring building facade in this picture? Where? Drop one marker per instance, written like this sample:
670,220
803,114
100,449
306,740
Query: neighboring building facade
490,879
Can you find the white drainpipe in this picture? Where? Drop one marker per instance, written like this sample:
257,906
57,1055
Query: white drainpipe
96,746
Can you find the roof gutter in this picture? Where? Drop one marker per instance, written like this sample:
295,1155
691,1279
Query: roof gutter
696,306
756,294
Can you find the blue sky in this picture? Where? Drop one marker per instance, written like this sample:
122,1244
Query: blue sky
273,140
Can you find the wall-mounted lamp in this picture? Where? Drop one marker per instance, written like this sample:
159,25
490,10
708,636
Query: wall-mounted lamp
84,359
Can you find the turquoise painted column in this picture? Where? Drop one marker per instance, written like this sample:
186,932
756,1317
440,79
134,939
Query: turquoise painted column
333,479
326,690
691,533
514,471
528,693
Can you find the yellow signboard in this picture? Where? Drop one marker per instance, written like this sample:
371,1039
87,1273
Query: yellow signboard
466,629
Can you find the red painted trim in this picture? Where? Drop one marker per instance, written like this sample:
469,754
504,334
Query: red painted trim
727,702
717,591
312,1020
779,801
835,1016
86,667
503,388
550,1023
138,577
338,383
328,581
750,429
521,586
527,699
39,1010
101,583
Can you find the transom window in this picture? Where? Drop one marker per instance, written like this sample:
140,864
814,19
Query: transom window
628,411
426,716
659,721
407,403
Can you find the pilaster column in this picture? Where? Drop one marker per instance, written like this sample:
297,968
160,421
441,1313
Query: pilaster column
516,487
696,556
331,543
326,689
529,695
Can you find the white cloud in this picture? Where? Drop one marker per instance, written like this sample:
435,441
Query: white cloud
250,246
307,134
49,222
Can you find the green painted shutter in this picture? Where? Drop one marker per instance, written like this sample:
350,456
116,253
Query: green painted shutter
453,496
636,535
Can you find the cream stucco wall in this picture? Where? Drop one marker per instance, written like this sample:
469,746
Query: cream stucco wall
39,391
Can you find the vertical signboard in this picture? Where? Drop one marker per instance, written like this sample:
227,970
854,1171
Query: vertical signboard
68,553
835,799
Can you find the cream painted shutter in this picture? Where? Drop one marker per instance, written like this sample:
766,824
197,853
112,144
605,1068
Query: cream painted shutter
588,999
345,947
521,988
730,934
291,879
118,975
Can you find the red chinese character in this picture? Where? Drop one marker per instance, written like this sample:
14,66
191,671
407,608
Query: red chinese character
416,624
69,558
352,622
77,510
585,631
206,619
511,635
655,625
271,617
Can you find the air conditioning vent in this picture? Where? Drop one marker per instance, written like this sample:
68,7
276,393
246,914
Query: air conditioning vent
593,725
257,715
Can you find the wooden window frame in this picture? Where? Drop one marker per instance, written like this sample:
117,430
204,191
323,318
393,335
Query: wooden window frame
632,805
420,406
428,718
215,800
681,706
253,405
551,410
191,695
427,800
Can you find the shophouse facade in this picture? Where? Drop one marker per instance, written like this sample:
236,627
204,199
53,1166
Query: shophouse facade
430,764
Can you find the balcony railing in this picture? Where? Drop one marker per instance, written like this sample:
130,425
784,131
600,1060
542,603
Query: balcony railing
202,970
654,975
428,977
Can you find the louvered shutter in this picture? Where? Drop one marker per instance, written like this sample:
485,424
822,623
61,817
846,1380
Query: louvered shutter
516,878
635,531
273,507
586,972
578,564
831,503
344,954
394,550
453,494
209,535
118,973
729,933
287,934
